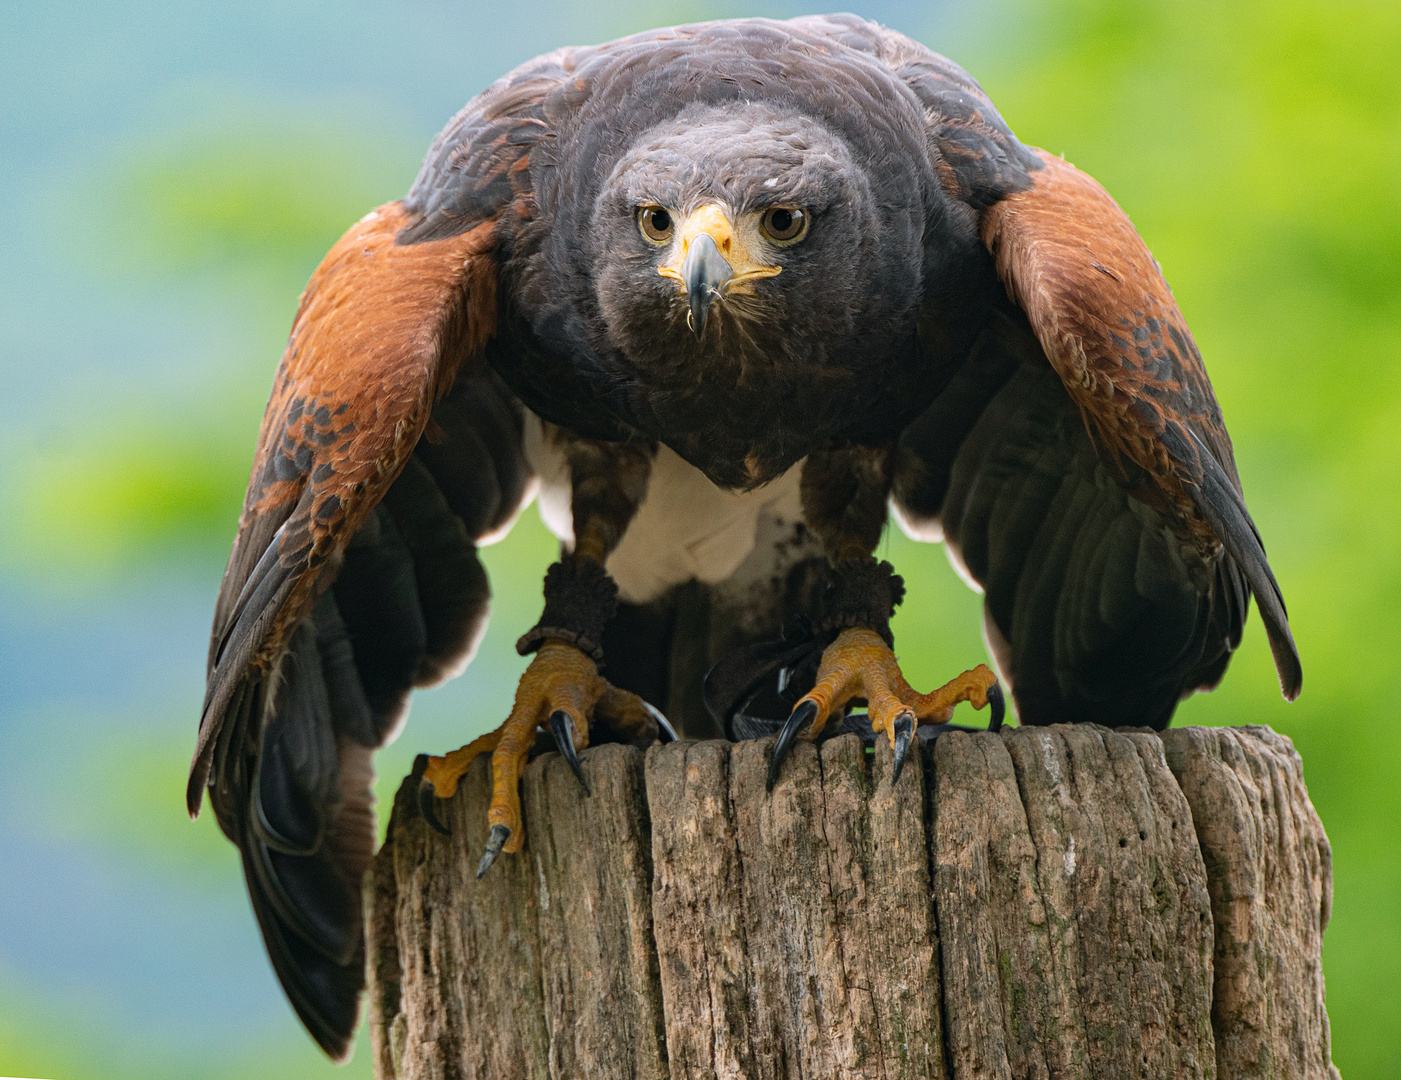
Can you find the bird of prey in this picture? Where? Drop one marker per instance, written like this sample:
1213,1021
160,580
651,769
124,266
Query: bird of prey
723,295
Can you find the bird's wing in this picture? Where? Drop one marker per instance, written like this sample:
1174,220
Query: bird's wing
350,580
1109,326
1093,508
388,449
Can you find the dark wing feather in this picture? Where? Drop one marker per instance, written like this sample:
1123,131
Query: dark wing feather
1092,608
1110,328
351,580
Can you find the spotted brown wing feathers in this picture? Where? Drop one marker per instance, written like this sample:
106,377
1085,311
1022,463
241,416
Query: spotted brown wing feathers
380,333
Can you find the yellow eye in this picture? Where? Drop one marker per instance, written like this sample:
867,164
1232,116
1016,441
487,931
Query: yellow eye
655,223
784,224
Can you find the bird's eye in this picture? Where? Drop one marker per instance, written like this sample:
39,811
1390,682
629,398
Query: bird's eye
655,222
784,224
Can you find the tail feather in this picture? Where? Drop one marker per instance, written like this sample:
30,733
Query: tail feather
324,992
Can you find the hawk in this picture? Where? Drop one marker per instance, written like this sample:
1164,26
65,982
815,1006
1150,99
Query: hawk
724,296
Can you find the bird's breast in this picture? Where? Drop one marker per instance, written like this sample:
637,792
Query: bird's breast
687,528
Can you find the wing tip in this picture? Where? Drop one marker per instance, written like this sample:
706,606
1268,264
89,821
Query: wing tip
1287,666
1286,654
194,789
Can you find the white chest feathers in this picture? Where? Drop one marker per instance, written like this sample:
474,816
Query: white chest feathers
686,528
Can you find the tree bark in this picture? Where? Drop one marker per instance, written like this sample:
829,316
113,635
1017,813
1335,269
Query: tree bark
1044,902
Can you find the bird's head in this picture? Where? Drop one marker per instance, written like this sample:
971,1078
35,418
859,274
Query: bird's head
743,268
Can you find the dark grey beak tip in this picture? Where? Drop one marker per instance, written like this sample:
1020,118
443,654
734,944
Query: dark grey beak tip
705,271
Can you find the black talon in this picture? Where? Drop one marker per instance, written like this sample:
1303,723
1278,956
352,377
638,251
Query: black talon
563,727
494,843
997,702
799,718
663,724
904,733
427,796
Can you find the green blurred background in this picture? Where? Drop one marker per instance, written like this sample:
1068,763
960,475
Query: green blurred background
171,173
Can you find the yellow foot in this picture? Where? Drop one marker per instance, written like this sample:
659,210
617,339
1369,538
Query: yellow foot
859,664
563,690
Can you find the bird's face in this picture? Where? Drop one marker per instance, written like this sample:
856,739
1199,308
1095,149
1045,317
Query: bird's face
711,256
740,261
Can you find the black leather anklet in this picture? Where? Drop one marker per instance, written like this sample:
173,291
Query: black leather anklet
580,598
861,592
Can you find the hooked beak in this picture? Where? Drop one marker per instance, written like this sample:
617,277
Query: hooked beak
711,260
705,273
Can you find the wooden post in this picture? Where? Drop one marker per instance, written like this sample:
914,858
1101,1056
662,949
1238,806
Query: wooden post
1045,902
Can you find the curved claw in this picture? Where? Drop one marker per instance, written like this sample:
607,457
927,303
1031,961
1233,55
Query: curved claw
997,702
563,728
904,729
663,724
494,843
428,796
799,718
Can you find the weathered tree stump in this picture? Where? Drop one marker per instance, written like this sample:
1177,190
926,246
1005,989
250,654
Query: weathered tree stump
1046,902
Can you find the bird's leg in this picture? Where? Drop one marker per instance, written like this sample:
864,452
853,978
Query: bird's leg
844,492
562,689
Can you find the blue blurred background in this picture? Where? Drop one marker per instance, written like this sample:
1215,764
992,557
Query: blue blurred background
171,173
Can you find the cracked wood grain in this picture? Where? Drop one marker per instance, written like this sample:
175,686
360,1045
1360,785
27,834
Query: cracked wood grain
698,913
1270,874
470,994
591,858
1054,902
